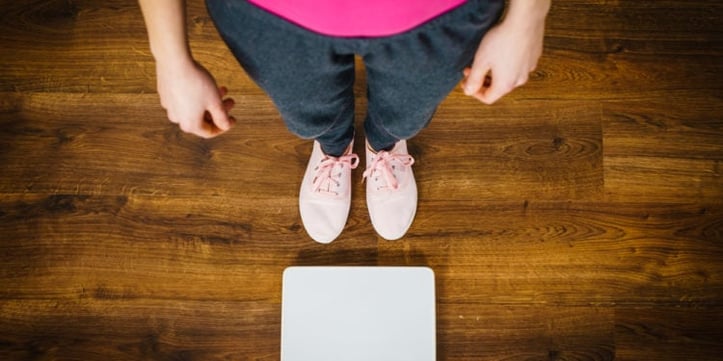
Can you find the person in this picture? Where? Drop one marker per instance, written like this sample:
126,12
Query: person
301,53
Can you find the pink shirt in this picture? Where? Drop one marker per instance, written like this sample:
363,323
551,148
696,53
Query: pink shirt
358,17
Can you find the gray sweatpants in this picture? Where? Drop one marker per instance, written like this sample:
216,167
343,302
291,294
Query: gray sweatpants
310,76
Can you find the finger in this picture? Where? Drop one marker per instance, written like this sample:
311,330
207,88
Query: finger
466,73
502,88
494,92
208,119
189,127
485,83
232,120
209,128
205,129
222,91
219,117
475,79
196,128
207,132
228,104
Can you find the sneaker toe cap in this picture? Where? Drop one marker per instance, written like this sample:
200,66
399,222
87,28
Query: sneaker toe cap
323,222
393,217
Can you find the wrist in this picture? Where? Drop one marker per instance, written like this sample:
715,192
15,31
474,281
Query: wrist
172,56
527,12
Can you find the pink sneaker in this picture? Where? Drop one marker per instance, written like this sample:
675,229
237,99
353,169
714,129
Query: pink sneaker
391,190
325,194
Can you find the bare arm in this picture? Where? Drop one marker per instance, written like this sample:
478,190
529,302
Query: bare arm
508,52
166,24
187,90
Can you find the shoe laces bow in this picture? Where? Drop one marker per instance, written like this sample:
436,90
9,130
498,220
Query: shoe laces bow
330,170
386,163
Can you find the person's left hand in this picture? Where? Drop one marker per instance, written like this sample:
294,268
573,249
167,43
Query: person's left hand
505,58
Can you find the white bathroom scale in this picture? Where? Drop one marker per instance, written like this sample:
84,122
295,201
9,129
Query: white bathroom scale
358,314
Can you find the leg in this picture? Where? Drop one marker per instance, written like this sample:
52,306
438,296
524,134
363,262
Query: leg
411,73
309,82
408,76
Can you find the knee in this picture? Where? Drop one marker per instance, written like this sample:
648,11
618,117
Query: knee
406,127
313,122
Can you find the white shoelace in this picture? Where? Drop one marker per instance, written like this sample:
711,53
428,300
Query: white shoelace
386,163
326,179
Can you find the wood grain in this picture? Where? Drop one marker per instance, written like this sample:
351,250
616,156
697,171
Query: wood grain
579,218
657,150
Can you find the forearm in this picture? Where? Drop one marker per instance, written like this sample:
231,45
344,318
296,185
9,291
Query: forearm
166,24
526,11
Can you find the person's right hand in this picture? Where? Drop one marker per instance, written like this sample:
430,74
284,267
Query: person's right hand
193,101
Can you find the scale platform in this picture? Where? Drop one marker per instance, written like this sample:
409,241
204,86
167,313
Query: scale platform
358,314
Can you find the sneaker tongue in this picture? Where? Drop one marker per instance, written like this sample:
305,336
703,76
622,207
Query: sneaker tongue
387,167
324,176
330,172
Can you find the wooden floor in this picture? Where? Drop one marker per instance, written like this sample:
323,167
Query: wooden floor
580,218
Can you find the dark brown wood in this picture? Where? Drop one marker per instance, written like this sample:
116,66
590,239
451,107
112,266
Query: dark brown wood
579,218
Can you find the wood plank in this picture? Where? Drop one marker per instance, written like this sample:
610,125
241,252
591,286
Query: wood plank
520,150
668,333
87,328
124,144
571,253
663,150
505,253
470,331
627,49
56,46
541,152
